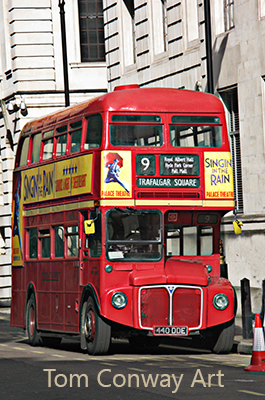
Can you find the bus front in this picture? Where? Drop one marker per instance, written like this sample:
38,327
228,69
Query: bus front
166,182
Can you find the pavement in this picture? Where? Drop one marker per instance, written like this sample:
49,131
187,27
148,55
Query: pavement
241,345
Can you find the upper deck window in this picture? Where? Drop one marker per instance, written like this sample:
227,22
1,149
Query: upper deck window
193,131
24,152
36,148
136,130
61,144
94,132
47,145
76,136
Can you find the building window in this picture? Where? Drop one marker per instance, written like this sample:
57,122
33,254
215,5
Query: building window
128,32
262,8
91,30
230,99
159,22
224,15
192,20
228,14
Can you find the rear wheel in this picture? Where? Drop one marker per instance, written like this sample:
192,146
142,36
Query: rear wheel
31,321
97,332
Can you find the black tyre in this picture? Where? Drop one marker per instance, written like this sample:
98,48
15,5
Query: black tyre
222,341
97,332
31,321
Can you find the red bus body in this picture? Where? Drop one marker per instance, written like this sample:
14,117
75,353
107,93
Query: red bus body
156,158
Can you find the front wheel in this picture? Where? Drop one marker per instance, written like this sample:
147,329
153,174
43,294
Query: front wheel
31,321
97,332
222,341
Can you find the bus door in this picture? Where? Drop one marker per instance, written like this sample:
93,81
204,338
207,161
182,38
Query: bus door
92,249
71,270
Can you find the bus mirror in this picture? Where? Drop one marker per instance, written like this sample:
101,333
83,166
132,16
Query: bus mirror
237,227
89,227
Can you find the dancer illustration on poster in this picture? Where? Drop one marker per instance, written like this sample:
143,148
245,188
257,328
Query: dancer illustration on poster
113,173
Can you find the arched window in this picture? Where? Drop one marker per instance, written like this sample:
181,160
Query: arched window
91,30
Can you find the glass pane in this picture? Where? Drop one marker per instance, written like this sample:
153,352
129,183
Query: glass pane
195,136
136,135
24,152
36,148
61,145
206,239
59,241
33,243
72,241
190,241
94,132
76,141
48,149
133,235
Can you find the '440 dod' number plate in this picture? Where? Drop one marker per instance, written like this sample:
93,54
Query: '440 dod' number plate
171,330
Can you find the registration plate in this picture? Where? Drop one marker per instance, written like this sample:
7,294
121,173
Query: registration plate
170,330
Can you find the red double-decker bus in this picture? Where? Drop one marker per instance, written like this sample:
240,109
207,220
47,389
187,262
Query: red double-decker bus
117,206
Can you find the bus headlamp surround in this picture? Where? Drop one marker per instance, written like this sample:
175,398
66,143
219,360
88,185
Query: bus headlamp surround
220,301
119,300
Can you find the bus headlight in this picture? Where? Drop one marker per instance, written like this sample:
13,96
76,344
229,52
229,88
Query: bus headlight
220,301
119,300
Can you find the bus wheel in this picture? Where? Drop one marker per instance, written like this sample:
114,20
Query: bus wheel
97,332
223,340
31,321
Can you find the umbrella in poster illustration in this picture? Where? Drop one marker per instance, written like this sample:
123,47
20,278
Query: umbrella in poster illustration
110,157
114,162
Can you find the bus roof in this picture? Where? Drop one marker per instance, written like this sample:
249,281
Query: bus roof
138,100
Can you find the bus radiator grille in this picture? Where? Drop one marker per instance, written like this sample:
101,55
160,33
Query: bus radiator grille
185,307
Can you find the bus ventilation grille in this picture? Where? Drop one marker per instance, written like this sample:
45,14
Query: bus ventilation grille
168,195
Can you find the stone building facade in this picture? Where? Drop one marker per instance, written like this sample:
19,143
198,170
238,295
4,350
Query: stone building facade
31,73
162,43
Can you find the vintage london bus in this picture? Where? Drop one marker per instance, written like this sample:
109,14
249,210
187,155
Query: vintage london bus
117,207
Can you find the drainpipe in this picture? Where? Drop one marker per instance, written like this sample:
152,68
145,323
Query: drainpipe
208,44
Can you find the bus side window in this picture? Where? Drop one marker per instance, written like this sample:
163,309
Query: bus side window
76,136
59,241
24,152
72,241
45,242
33,243
94,132
47,145
94,242
36,148
61,141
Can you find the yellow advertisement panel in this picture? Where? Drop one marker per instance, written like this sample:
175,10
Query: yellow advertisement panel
82,174
116,174
57,180
38,184
218,175
17,223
